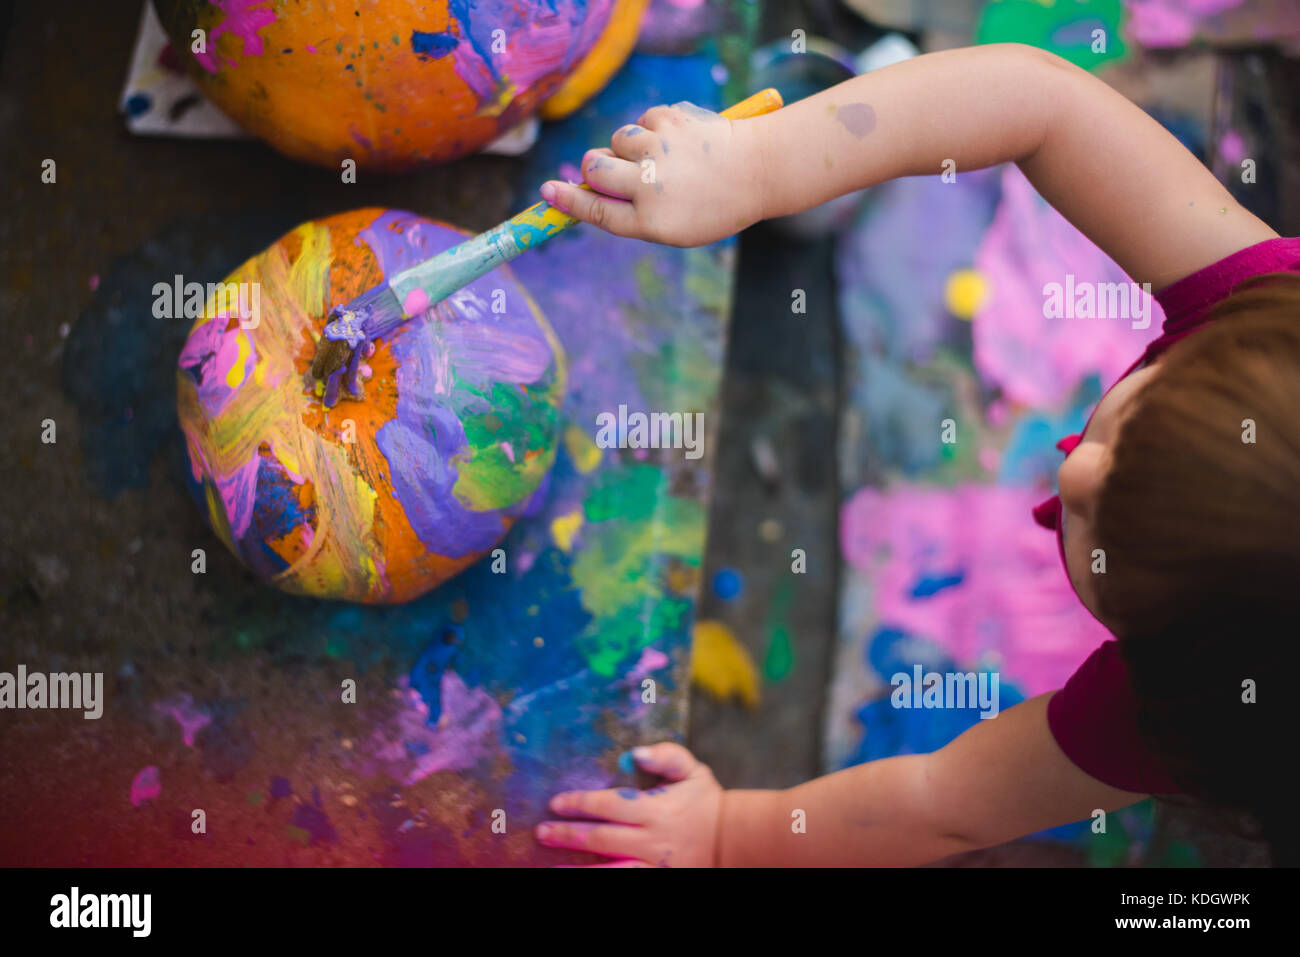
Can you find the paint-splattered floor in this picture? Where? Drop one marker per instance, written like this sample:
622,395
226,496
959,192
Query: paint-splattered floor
480,699
81,574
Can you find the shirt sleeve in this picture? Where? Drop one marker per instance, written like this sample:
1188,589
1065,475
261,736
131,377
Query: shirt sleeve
1187,301
1094,721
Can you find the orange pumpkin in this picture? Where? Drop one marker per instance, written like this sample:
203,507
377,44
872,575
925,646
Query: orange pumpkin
389,85
381,498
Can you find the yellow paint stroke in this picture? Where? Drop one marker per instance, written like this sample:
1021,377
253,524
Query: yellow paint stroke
600,64
565,528
583,452
505,94
721,666
235,374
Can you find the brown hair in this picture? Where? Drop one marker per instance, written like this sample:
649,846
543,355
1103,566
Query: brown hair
1199,518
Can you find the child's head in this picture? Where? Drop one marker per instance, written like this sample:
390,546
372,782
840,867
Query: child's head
1192,492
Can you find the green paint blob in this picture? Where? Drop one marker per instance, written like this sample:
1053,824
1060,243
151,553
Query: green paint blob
780,656
634,530
779,660
525,419
1065,28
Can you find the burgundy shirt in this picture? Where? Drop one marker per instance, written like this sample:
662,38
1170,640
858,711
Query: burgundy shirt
1094,717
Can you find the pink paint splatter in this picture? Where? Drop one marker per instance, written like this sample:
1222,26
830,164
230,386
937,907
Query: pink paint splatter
1013,600
146,786
509,449
94,282
191,719
651,660
243,19
1034,359
1232,147
1172,23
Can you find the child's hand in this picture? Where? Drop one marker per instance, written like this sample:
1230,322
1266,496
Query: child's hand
682,176
673,825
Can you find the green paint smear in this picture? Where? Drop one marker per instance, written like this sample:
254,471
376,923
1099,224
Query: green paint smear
527,419
780,656
1109,849
779,661
634,529
1063,28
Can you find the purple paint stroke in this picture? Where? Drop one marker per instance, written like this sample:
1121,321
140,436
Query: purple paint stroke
466,733
544,39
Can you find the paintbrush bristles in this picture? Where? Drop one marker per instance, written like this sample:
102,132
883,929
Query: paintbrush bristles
379,310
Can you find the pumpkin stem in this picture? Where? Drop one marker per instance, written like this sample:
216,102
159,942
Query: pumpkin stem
338,355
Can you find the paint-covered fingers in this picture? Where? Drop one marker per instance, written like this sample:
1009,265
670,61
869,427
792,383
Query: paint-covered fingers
608,840
657,117
630,141
609,174
668,760
622,806
616,216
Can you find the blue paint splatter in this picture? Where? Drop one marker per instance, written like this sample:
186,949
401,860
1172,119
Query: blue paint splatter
280,787
426,676
138,103
625,763
629,794
436,45
728,584
315,822
928,585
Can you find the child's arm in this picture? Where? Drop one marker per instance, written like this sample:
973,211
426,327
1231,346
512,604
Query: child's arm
1002,779
1110,169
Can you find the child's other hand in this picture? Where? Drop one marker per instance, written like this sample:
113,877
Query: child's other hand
681,175
673,825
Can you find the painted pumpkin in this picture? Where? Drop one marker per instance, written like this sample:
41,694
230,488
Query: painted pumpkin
381,498
389,85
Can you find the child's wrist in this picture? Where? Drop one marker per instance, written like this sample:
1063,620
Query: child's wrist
753,150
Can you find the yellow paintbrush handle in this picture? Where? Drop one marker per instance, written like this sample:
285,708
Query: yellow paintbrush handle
541,221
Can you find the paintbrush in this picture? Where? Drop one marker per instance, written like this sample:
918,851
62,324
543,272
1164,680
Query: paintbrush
352,327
